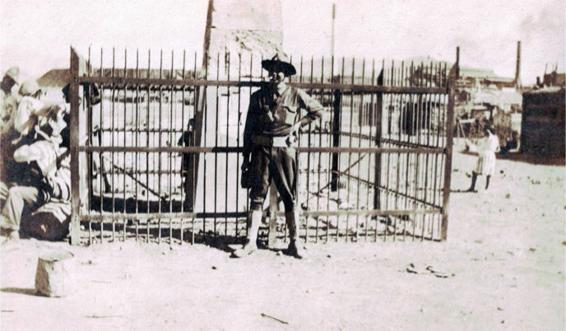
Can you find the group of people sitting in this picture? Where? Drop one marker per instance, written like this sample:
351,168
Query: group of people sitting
34,167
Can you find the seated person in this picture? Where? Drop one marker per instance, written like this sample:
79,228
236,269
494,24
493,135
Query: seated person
33,188
38,179
512,144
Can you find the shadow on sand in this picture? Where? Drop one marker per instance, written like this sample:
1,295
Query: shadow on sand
17,290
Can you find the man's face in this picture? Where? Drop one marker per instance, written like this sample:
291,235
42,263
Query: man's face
276,77
7,83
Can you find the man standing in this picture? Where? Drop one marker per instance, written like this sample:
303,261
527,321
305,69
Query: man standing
272,124
488,146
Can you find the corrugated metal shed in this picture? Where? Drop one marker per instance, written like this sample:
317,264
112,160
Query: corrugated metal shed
543,124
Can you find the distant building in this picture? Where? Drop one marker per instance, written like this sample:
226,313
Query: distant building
480,77
552,79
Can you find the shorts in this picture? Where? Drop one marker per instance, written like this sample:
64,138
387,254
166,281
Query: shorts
279,164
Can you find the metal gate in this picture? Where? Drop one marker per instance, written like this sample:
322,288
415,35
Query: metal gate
159,158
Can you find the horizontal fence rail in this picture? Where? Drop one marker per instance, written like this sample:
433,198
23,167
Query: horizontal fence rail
158,158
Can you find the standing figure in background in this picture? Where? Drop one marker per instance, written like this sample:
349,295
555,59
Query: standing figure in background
187,165
272,125
487,147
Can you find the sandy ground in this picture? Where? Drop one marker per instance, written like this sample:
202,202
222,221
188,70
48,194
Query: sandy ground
504,261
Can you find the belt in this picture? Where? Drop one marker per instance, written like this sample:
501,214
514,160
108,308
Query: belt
270,141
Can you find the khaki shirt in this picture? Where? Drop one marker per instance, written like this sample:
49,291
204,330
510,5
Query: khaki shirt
271,114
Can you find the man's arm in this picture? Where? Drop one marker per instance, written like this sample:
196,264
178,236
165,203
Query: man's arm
27,153
313,107
250,127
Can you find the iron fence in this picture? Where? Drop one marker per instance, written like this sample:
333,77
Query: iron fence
159,158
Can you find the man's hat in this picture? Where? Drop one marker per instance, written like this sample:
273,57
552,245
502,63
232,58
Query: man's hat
13,73
279,63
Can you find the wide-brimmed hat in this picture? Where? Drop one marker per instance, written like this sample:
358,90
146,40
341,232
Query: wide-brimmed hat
13,73
29,87
279,63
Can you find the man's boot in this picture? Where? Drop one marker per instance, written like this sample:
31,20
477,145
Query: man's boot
253,227
294,248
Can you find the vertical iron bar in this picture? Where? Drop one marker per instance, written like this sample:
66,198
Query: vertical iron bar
414,131
329,175
238,142
137,133
309,154
377,156
392,103
195,158
339,119
217,101
102,187
307,170
171,142
358,172
370,123
90,158
320,144
205,143
113,144
160,144
125,114
228,66
184,176
398,160
350,133
147,141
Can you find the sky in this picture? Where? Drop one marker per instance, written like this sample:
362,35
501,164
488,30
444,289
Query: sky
36,35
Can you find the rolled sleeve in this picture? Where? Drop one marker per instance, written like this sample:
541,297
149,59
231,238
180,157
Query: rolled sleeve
312,106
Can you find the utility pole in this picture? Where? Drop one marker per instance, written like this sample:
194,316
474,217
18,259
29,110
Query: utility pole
332,33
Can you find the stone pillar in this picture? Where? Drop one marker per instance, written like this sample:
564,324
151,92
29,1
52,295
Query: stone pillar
235,29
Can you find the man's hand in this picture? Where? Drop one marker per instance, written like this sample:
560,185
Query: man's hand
292,137
245,164
291,140
246,180
295,128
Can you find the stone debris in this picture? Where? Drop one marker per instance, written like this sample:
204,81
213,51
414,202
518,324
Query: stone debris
52,278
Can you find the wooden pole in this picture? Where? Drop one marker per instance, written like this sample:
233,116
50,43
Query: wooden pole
449,146
74,149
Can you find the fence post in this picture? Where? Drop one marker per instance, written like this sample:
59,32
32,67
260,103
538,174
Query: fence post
336,139
453,76
378,133
74,149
